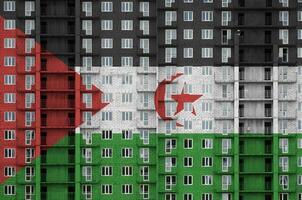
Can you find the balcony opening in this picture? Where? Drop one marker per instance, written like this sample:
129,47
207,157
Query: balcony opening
241,110
269,3
241,165
268,110
241,127
268,37
283,55
43,174
43,27
43,45
267,128
268,92
241,73
71,138
71,119
71,155
241,3
268,197
71,174
70,8
268,55
267,74
241,183
43,156
241,55
268,146
71,63
241,92
241,19
43,119
43,8
71,102
70,28
71,46
71,82
268,19
43,138
43,101
268,165
43,82
268,183
241,37
71,193
241,147
43,64
43,192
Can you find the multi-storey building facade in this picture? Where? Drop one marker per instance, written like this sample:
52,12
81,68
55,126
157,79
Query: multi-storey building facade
140,99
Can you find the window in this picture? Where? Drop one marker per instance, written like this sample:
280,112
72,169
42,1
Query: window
9,6
207,143
144,154
106,171
127,116
226,145
127,152
127,79
206,161
206,52
9,80
170,181
226,17
188,143
299,163
9,61
107,116
106,61
299,179
226,182
283,145
144,172
87,173
126,25
188,16
106,189
284,181
107,153
106,134
188,161
9,116
127,135
207,180
9,189
9,97
188,180
106,6
9,153
9,24
87,8
170,162
299,145
188,125
283,163
127,7
188,52
144,8
126,43
107,25
226,163
87,191
206,16
284,18
206,34
188,34
207,196
299,16
127,61
107,43
9,43
127,171
9,171
9,135
206,125
126,189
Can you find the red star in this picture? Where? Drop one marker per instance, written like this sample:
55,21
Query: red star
183,98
